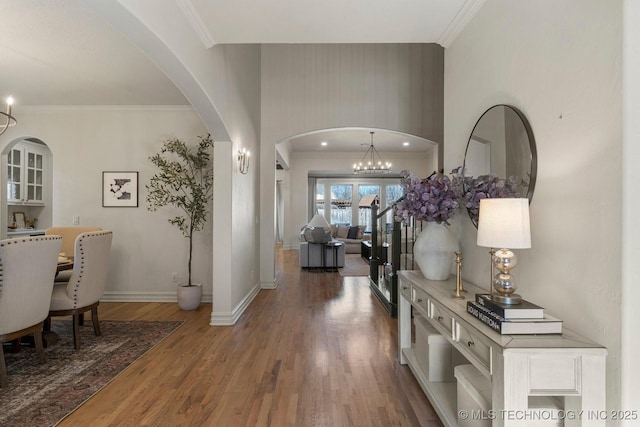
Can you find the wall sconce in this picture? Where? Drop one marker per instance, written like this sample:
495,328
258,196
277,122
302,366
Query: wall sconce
243,161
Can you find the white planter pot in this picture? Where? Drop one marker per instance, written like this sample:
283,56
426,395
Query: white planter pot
434,251
189,297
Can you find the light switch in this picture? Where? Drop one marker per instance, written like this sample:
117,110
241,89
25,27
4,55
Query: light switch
76,220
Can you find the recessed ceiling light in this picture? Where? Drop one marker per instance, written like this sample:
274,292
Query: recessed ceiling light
406,144
323,143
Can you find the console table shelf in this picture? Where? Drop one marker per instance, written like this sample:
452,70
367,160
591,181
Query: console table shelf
442,395
519,367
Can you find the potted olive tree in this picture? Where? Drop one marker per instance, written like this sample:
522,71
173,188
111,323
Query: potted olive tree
184,181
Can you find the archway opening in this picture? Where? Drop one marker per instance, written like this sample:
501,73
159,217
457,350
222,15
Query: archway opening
329,154
26,195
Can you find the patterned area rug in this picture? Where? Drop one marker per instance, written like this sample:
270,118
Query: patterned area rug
42,395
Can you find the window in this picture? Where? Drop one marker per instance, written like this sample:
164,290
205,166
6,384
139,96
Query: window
394,192
341,201
364,214
337,198
320,199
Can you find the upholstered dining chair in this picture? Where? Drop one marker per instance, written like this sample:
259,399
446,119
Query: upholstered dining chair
27,269
69,235
87,282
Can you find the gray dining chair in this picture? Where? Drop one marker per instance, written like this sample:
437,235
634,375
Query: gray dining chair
27,270
86,285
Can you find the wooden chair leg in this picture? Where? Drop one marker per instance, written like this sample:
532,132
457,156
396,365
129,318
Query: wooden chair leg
96,323
76,331
3,368
37,338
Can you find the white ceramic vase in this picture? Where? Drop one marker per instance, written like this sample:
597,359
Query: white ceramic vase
434,251
189,297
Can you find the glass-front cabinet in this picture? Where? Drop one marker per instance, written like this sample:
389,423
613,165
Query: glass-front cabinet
26,174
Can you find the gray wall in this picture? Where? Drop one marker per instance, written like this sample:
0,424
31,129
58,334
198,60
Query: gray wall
391,86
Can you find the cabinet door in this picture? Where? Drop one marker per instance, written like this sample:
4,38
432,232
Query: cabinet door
14,175
34,177
26,175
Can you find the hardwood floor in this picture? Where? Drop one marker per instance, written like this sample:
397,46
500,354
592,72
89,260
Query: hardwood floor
317,351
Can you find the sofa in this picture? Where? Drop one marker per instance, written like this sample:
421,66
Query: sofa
351,236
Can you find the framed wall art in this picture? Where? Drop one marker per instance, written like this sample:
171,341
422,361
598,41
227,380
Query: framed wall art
120,189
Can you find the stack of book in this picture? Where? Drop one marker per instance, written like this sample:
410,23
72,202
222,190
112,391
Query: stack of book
523,318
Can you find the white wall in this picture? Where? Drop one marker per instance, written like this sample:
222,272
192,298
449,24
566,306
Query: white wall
630,371
87,141
236,74
302,162
223,85
559,63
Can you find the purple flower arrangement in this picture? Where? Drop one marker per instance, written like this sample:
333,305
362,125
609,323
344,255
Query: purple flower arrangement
474,189
430,199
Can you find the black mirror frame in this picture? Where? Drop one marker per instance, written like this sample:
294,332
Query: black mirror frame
532,147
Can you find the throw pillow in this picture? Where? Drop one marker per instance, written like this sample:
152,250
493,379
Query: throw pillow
361,229
317,235
353,232
334,229
342,232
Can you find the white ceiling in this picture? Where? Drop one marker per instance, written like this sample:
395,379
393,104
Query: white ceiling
328,21
60,52
358,140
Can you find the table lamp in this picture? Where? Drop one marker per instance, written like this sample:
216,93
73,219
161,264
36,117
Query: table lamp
504,223
319,221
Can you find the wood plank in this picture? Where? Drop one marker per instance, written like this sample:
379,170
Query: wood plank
319,350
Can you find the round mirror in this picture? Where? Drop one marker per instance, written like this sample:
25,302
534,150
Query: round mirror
500,159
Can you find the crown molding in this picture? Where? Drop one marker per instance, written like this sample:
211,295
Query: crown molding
461,20
53,108
189,10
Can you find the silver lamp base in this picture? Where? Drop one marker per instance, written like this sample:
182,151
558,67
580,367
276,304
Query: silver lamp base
507,299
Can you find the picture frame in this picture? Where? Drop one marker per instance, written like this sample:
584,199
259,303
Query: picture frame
119,189
20,220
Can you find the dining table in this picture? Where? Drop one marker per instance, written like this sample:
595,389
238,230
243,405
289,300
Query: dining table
64,263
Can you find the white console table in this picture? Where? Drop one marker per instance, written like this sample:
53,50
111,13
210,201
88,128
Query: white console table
518,366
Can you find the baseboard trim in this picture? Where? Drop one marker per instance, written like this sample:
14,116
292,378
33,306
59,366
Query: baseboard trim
230,318
217,319
127,296
268,285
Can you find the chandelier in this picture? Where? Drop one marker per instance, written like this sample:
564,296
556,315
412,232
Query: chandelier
10,120
371,162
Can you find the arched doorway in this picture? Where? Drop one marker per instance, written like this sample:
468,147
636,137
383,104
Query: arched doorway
302,155
26,185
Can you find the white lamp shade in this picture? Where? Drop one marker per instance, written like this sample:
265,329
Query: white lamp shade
504,223
318,221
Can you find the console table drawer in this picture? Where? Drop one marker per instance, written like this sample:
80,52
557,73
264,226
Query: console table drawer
421,299
405,290
475,347
441,317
